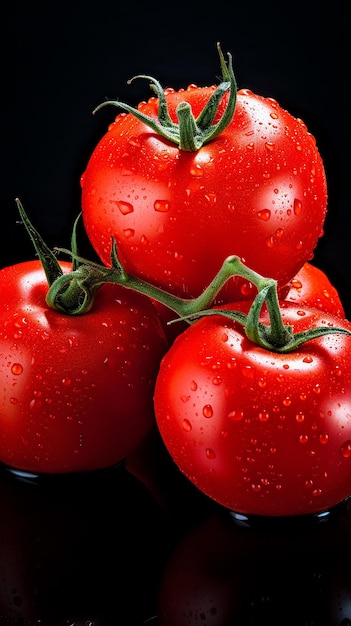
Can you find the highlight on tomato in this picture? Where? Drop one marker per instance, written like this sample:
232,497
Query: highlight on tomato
192,176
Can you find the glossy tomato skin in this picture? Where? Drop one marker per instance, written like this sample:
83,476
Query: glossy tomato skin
260,432
258,191
76,392
312,287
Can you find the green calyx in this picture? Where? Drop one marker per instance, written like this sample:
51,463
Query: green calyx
189,133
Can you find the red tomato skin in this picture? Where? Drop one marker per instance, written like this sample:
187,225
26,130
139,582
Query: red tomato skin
260,432
76,392
258,190
312,287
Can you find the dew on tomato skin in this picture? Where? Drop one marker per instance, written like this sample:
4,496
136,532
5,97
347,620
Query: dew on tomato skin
264,215
186,425
16,369
207,411
299,417
217,381
193,385
236,415
345,449
161,206
303,439
128,232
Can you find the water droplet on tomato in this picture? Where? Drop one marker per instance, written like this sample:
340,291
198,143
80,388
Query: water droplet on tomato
128,232
217,380
207,411
16,369
161,206
297,207
303,439
300,417
210,454
196,170
187,425
236,416
125,207
345,449
270,242
323,438
269,146
264,215
193,385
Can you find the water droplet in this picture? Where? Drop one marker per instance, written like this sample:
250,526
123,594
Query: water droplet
217,380
196,170
270,242
210,454
236,416
263,416
287,401
303,439
264,215
16,369
323,438
66,382
13,400
346,449
128,232
161,206
187,425
207,411
273,115
300,417
246,288
297,206
307,359
125,207
269,146
193,385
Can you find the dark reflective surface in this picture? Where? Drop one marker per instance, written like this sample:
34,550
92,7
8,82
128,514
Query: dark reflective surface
137,545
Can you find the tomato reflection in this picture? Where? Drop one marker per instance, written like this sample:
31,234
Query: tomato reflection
77,550
295,573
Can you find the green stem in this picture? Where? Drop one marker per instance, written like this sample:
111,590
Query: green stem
189,133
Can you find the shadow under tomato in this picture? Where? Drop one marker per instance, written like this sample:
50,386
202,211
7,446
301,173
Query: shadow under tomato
78,549
294,572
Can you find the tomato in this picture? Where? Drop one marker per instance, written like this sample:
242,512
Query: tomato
260,432
76,392
312,287
257,190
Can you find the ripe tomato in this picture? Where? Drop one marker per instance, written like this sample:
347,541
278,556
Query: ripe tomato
312,287
258,191
76,392
261,432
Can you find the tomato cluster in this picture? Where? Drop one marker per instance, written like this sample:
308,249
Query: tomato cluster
253,399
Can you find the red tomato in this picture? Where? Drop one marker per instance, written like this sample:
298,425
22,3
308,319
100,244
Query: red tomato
261,432
76,392
258,190
312,287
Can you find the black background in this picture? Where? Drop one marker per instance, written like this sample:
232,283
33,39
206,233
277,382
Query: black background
60,60
69,555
